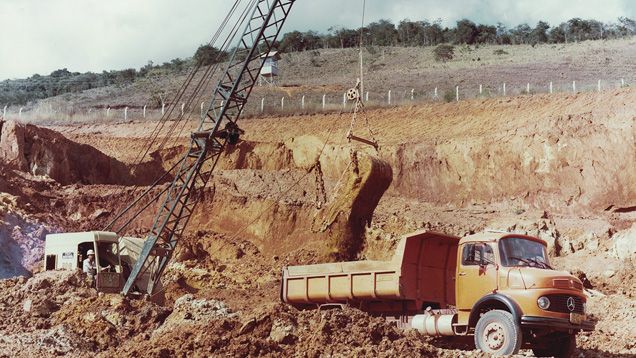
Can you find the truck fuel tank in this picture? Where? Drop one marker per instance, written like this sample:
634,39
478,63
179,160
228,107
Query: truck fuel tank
435,322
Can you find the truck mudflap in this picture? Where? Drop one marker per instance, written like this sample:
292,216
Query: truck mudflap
573,323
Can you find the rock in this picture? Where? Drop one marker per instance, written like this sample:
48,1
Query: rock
623,244
247,326
27,305
12,145
592,245
609,273
283,331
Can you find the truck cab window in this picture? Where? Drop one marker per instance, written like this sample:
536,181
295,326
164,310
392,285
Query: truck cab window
477,254
517,251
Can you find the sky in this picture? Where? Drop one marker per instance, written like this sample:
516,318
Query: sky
41,36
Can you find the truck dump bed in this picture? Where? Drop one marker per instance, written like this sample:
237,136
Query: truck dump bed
422,270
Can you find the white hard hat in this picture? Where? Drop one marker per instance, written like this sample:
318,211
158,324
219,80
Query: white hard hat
90,252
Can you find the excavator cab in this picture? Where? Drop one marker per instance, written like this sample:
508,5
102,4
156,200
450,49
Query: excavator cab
68,251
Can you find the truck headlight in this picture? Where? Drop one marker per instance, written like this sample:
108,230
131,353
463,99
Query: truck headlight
543,302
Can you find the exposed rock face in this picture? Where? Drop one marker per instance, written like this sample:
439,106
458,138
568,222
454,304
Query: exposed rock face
12,145
45,152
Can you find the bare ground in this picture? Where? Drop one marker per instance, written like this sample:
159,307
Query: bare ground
555,166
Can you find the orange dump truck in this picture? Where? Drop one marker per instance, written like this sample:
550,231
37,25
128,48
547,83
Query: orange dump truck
496,286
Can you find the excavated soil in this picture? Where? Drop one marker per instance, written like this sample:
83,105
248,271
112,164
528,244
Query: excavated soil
560,167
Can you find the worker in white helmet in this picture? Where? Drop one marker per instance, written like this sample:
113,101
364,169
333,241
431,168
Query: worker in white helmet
90,266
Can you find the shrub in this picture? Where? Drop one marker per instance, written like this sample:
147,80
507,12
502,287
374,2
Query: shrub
444,52
449,96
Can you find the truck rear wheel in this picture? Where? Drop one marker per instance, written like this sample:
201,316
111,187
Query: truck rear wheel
497,333
558,348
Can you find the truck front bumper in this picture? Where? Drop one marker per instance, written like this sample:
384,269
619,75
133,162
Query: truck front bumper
556,323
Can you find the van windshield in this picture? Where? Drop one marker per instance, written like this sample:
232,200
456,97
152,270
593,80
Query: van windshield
516,251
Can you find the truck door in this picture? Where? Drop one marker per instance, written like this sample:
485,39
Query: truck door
476,275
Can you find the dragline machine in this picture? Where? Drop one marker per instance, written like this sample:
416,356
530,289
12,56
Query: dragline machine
137,264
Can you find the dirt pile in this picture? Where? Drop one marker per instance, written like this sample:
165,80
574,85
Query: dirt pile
29,306
274,330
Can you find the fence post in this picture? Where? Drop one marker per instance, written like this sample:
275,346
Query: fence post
389,96
21,111
282,103
550,87
303,102
435,91
182,107
367,100
144,111
622,82
108,112
324,101
262,104
4,112
504,89
528,88
126,113
573,86
344,100
202,103
457,93
480,89
599,85
412,93
163,109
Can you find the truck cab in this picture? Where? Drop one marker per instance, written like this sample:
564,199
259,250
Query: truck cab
69,250
496,286
507,277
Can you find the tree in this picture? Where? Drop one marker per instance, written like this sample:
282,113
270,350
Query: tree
466,32
444,52
503,34
311,40
557,35
521,34
410,33
382,33
486,34
433,33
206,55
628,26
540,33
292,42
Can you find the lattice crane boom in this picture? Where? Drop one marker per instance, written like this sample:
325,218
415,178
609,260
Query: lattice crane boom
216,129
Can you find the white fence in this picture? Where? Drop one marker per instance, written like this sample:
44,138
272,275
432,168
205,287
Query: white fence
275,103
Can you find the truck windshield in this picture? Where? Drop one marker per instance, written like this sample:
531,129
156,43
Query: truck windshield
516,251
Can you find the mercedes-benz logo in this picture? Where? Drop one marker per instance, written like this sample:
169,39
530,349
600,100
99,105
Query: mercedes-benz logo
571,304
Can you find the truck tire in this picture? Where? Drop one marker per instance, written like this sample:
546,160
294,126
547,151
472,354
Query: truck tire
497,333
560,348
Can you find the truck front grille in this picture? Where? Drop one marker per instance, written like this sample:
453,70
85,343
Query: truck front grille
561,303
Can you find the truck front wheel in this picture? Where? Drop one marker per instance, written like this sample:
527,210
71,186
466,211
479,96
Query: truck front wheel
497,333
558,348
